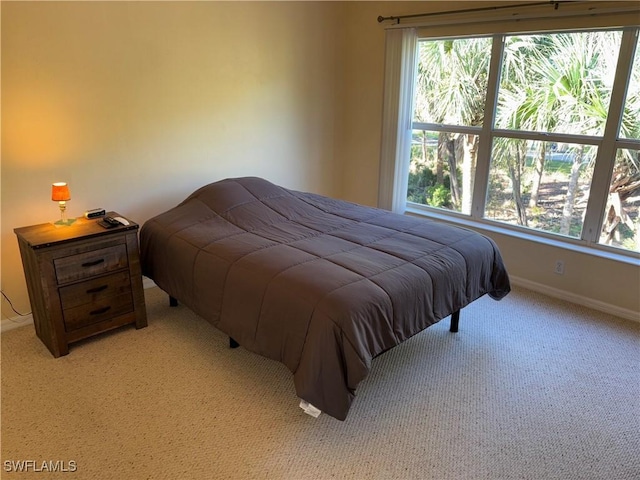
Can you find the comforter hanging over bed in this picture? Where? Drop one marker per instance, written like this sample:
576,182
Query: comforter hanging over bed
319,284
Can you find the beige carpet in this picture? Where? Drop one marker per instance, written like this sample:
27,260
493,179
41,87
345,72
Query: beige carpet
530,388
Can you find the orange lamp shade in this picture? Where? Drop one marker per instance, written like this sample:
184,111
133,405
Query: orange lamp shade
60,192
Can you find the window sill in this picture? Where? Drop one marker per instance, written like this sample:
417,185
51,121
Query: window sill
575,245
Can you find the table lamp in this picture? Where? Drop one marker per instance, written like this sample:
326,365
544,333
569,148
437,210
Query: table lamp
60,193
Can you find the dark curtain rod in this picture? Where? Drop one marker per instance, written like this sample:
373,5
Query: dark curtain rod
555,4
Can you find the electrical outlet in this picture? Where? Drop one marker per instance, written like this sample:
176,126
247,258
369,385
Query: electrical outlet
559,267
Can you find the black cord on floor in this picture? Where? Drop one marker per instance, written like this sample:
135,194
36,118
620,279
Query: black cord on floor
11,305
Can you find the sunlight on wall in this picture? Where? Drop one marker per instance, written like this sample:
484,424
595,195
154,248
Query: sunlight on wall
42,130
137,104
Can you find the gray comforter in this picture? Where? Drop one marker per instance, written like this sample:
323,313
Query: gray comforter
318,284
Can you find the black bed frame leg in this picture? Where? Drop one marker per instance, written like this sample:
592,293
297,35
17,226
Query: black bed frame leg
172,301
455,319
233,343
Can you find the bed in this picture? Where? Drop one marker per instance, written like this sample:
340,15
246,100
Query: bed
319,284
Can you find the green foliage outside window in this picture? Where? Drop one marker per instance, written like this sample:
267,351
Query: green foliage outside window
555,84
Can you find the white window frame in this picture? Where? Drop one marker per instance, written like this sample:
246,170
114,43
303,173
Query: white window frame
400,71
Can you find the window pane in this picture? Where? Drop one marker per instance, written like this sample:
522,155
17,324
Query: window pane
557,82
540,185
630,127
621,226
442,168
451,83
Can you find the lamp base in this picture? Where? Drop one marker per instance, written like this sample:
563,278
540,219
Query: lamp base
64,223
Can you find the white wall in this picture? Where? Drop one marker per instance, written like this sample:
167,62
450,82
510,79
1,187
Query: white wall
136,104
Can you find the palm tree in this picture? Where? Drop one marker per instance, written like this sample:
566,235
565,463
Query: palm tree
452,80
521,106
582,99
554,83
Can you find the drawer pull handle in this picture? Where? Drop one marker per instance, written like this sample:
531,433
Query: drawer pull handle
97,289
94,263
100,310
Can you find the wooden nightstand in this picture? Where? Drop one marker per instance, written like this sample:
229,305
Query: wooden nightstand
82,280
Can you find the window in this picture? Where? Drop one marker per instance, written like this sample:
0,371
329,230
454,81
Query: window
445,142
536,132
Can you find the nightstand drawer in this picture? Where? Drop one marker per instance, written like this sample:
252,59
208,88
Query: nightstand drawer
95,290
91,313
89,264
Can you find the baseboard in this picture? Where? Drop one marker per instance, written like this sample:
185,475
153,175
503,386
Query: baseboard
575,298
15,322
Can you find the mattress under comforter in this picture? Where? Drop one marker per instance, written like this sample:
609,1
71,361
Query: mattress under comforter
318,284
